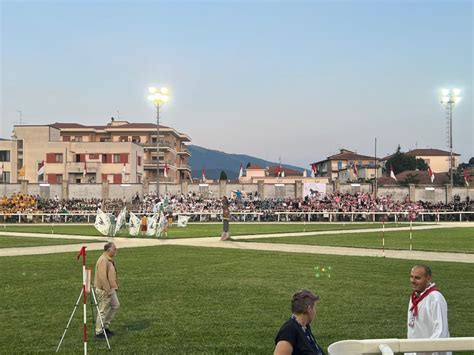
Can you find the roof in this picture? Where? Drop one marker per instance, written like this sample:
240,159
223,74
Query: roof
346,154
272,170
123,126
255,167
430,152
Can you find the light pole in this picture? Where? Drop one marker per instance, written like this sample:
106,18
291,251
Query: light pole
449,98
158,97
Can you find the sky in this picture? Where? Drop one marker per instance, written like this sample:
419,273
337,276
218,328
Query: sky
289,80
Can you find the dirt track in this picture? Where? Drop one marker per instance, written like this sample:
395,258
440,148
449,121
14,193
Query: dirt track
214,242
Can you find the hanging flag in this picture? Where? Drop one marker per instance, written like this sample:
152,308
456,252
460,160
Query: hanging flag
314,170
165,172
241,171
356,172
152,226
84,173
304,173
282,173
123,172
203,174
41,168
392,174
466,177
431,174
121,220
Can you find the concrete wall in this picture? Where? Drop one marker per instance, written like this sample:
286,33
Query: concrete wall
105,190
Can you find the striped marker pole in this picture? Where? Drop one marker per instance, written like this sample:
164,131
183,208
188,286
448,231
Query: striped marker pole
84,294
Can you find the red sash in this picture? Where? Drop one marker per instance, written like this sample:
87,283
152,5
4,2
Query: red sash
417,299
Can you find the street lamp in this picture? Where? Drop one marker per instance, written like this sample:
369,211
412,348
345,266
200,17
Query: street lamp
449,98
158,97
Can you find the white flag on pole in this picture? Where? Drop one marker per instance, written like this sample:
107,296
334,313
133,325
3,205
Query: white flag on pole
134,226
102,222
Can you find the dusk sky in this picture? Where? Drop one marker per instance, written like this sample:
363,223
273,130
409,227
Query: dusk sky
292,79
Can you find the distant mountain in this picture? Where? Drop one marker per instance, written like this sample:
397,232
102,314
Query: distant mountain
215,161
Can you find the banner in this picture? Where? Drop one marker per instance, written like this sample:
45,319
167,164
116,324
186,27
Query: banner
314,190
134,227
121,219
102,222
182,221
152,226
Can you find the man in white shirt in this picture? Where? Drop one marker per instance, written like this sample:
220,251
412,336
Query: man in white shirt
427,310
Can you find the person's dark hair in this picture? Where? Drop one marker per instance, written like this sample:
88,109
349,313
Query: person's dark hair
301,300
424,267
108,245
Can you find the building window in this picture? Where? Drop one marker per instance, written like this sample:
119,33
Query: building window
4,155
116,158
136,139
5,177
123,139
339,165
139,161
93,156
76,139
66,138
58,158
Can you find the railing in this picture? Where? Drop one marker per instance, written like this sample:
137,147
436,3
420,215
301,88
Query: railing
249,216
391,346
184,166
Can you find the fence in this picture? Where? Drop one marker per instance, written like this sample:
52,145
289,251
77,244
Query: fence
260,216
391,346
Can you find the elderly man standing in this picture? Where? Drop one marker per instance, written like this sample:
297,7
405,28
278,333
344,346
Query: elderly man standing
427,310
106,286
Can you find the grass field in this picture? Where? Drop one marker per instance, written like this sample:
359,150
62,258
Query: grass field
449,240
194,230
178,300
15,242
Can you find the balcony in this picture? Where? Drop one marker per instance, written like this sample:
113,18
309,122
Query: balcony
163,144
184,151
73,167
184,167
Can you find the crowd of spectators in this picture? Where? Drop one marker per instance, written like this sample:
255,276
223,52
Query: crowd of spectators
252,203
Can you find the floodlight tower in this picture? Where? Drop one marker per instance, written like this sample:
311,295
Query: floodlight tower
449,98
158,97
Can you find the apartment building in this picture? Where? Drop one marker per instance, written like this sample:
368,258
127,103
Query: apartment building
119,152
343,162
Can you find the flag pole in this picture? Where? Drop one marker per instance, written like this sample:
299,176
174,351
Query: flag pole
84,295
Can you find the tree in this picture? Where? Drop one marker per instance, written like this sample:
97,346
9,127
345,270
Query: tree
248,165
471,161
223,176
402,162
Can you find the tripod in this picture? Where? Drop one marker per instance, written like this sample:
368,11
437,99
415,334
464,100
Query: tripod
93,304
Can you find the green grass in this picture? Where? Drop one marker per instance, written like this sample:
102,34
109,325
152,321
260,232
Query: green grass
14,242
202,229
448,240
177,300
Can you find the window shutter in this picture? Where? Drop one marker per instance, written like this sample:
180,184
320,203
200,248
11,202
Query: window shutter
51,158
123,158
117,178
51,178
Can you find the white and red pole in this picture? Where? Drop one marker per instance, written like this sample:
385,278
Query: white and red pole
383,238
84,294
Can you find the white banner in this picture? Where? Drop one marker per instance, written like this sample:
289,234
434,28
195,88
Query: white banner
134,227
314,190
102,222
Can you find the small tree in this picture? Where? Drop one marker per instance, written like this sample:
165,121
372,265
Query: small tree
248,165
223,175
402,162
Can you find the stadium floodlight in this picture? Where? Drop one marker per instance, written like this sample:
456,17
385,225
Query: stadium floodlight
449,98
158,97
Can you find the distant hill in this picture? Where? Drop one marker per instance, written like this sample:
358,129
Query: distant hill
215,161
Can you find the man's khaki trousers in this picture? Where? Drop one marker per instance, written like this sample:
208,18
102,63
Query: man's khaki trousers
108,304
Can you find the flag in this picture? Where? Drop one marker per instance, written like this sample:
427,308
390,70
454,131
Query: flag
165,172
182,221
102,222
41,168
392,174
466,177
123,172
134,225
304,173
121,219
314,169
152,226
203,174
241,171
82,252
278,171
282,173
84,173
354,167
432,177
